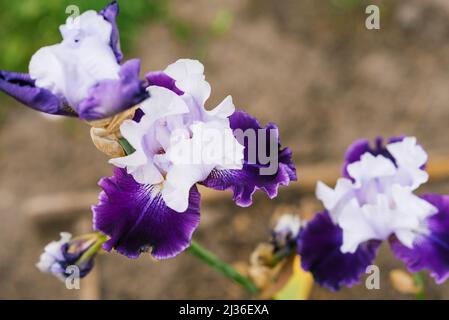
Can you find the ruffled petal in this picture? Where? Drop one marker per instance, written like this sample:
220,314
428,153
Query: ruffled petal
110,13
21,87
110,97
319,247
136,218
431,249
246,181
358,148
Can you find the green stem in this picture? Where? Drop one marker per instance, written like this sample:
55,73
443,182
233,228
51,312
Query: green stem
93,249
216,263
419,281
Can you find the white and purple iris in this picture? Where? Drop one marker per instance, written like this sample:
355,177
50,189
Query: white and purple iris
81,76
152,200
375,201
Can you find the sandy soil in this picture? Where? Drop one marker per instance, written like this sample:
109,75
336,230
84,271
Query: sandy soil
308,66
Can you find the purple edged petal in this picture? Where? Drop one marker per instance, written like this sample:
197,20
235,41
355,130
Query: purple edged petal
246,181
359,147
21,87
136,218
161,79
110,13
319,247
110,97
430,251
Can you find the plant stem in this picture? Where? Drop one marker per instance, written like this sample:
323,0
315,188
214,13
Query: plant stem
419,281
216,263
93,249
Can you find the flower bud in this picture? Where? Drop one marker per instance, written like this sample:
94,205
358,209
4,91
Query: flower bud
285,233
59,255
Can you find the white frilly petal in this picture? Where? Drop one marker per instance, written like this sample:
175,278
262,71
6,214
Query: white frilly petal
84,57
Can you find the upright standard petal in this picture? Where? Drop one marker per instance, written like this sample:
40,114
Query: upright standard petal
256,172
136,218
110,13
358,148
430,249
319,247
21,87
110,96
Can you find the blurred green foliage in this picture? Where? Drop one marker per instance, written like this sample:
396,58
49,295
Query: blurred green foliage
28,25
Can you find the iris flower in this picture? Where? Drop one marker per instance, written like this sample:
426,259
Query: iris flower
152,201
82,75
373,202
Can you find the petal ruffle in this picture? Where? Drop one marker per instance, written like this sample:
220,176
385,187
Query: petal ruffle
110,13
319,247
21,87
136,218
358,148
430,250
246,181
110,97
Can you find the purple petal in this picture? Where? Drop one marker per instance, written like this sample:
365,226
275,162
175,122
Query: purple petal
110,13
136,218
246,181
319,247
21,87
359,147
161,79
110,97
429,251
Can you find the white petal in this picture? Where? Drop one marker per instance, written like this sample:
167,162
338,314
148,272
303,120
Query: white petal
408,153
179,180
196,88
370,167
224,110
184,68
356,228
331,197
162,103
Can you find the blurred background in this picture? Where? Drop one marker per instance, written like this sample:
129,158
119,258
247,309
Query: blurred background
310,66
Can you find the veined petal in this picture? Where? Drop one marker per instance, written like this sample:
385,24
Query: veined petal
250,178
430,249
136,218
319,247
21,87
109,97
